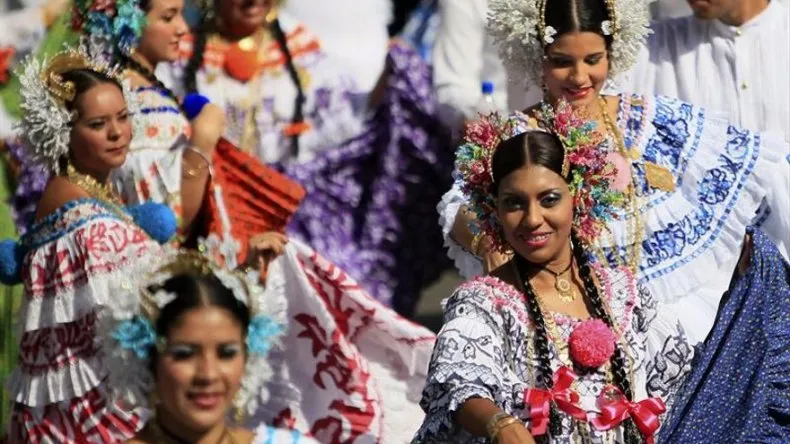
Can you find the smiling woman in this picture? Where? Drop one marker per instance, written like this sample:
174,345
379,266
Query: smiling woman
547,320
193,338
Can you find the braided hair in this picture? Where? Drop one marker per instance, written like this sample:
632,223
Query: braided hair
298,116
544,149
618,360
206,26
149,75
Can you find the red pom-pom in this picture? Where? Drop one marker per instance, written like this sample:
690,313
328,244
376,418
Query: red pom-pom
591,343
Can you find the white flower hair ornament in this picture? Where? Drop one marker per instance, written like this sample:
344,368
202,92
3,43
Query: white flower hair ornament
520,32
129,337
45,128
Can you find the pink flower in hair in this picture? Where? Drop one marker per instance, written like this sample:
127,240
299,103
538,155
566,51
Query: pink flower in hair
105,6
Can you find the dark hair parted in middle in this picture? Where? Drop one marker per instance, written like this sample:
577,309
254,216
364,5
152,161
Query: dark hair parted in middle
577,16
529,148
195,291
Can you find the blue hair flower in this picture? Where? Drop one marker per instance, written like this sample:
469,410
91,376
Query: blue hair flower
98,23
127,27
136,334
261,334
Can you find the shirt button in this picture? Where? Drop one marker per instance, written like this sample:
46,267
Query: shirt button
744,85
738,33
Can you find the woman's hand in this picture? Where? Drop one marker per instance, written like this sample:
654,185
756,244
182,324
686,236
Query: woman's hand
264,248
515,434
208,127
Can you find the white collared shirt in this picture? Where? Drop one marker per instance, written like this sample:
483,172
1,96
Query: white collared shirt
743,71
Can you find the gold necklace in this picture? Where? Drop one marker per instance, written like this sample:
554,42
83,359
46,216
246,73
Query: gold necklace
100,192
88,183
562,285
636,227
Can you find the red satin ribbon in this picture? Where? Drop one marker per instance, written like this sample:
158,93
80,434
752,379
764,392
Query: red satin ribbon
617,408
561,394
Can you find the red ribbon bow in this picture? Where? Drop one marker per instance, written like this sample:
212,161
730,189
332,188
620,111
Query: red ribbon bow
560,393
616,408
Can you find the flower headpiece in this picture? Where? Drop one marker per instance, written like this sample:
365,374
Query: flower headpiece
129,336
115,25
45,127
520,32
589,172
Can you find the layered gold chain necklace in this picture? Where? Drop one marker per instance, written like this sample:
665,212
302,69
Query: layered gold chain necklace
101,192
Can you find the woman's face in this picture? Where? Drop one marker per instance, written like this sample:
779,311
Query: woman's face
201,370
576,67
535,208
165,27
101,134
242,18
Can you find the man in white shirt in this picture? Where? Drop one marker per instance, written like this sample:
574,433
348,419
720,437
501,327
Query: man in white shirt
464,57
731,56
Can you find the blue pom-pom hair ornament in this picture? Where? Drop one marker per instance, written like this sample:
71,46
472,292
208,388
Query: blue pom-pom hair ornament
128,333
11,256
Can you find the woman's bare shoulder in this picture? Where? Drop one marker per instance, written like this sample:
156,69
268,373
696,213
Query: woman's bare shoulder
59,192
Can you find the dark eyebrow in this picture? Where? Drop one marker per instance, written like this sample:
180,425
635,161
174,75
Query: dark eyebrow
563,55
541,195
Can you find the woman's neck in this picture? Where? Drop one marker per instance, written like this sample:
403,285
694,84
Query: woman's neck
144,62
175,432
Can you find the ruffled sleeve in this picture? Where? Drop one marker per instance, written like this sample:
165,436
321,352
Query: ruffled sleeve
77,258
470,360
467,264
722,176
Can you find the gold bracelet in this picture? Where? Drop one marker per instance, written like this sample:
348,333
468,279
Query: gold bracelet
501,425
476,241
494,420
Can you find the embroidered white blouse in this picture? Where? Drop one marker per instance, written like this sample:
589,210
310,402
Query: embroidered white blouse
486,350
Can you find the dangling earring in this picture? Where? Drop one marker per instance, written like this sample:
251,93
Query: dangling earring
239,416
271,16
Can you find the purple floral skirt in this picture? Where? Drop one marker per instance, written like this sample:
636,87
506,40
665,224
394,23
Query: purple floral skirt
371,202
